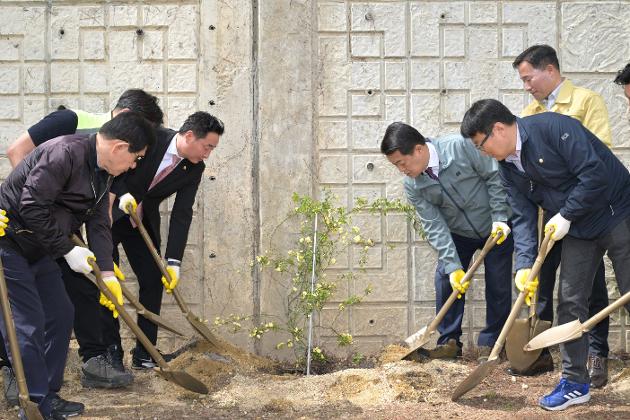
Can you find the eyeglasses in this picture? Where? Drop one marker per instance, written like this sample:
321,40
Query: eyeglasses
485,139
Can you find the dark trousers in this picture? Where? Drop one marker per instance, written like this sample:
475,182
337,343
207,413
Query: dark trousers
43,316
88,327
598,336
498,278
580,261
149,280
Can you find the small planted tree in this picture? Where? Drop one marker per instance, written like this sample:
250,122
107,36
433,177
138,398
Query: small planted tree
293,269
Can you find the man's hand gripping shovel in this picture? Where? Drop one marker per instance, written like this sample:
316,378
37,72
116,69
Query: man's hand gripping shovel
423,335
181,378
194,320
485,369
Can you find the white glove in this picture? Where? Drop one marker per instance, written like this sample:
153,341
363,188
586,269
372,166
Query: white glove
77,259
500,227
125,200
560,225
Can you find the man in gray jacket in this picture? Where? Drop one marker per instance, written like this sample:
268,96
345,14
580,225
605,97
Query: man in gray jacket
458,195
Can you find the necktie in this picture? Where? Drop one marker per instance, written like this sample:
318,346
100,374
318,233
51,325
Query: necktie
431,174
159,177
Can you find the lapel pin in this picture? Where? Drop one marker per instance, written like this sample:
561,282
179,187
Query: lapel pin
540,161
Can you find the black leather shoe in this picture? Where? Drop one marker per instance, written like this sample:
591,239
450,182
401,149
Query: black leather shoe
597,370
65,408
543,364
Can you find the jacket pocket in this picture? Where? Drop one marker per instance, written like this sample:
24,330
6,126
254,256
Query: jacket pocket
26,243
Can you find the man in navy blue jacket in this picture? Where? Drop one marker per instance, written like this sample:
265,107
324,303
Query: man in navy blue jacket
551,160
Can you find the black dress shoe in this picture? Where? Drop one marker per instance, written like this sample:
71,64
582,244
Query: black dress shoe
543,364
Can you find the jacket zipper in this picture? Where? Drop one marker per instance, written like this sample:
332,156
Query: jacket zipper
459,208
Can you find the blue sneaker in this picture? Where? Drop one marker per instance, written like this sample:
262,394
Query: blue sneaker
566,394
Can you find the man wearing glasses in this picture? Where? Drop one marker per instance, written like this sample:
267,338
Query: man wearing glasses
553,161
459,198
49,195
539,69
100,367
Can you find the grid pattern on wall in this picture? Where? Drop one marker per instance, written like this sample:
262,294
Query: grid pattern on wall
83,55
424,63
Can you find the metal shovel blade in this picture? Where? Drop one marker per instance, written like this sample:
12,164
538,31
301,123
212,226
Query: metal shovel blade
184,380
556,335
521,332
30,408
417,340
476,376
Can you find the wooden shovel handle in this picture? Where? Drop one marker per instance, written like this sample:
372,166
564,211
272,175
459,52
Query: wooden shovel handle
545,247
156,256
490,243
599,316
14,346
123,313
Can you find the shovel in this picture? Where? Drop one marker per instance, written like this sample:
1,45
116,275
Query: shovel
181,378
574,329
521,332
140,309
485,369
423,335
524,330
194,320
30,408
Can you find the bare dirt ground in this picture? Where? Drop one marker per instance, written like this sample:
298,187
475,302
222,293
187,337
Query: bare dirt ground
246,386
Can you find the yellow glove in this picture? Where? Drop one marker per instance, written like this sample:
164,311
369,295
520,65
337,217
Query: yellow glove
500,228
3,221
118,273
114,287
126,200
456,282
521,284
173,272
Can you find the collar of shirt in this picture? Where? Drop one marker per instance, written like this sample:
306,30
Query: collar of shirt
515,158
168,156
550,100
434,159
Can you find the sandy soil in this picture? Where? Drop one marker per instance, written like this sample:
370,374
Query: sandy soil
246,386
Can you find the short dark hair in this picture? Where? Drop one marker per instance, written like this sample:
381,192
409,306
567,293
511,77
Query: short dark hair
138,100
482,115
130,127
623,76
539,56
201,123
402,137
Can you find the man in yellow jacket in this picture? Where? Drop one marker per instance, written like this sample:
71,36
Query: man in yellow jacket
539,69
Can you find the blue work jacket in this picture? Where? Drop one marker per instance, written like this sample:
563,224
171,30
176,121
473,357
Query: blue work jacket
465,200
568,170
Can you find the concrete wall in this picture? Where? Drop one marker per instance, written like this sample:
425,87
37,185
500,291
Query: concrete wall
305,88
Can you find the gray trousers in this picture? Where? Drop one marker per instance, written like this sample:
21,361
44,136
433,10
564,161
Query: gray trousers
580,260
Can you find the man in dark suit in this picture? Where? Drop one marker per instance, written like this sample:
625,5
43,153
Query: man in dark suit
173,166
